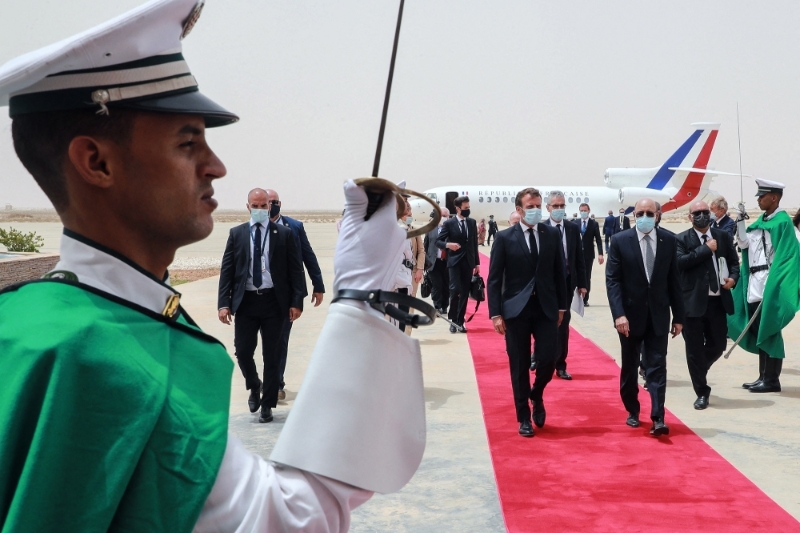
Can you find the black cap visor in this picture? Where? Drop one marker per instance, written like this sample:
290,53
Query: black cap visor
185,103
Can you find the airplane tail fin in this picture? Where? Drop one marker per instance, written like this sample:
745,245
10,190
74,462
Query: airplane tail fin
686,171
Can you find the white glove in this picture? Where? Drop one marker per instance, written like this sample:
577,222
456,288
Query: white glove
368,252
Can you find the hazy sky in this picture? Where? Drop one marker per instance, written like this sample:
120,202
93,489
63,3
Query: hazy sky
485,91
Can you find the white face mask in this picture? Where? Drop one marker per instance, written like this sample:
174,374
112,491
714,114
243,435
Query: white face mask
409,220
259,215
533,216
584,214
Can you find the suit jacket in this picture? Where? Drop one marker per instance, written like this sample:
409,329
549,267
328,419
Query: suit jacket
451,232
626,224
576,266
629,293
429,243
726,224
592,233
306,253
693,262
608,225
285,266
513,278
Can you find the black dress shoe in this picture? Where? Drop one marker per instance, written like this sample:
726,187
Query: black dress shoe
266,415
751,384
641,373
462,329
525,429
659,428
563,374
633,420
586,303
255,398
453,329
533,365
701,403
765,386
539,414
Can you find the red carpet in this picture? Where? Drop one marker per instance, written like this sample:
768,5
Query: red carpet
587,471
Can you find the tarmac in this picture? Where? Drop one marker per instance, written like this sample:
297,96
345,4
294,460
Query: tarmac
454,488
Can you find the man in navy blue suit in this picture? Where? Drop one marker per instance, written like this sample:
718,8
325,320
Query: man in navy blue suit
643,285
527,288
312,267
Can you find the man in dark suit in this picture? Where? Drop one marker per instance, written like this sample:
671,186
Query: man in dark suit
436,266
492,229
459,236
590,234
707,301
309,259
575,270
528,296
621,222
642,283
262,284
719,207
608,227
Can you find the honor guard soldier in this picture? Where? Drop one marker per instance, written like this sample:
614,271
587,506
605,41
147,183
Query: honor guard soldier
114,405
769,295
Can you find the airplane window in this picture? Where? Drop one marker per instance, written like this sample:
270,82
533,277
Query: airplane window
489,199
497,199
433,197
480,199
505,199
570,200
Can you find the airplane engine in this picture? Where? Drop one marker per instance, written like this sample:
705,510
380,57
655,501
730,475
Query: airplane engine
630,195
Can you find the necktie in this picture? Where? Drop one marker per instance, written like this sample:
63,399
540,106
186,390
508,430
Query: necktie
583,229
464,227
257,257
534,250
713,283
649,256
563,251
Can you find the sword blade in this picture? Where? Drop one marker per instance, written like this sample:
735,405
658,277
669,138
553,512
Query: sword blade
744,331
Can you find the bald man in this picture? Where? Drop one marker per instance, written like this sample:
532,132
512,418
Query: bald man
706,296
262,284
643,285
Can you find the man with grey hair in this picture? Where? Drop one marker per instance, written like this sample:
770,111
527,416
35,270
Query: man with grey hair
719,216
575,270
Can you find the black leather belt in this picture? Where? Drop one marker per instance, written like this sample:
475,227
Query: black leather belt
758,268
260,292
378,299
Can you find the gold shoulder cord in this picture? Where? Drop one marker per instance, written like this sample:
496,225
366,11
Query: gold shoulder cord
171,308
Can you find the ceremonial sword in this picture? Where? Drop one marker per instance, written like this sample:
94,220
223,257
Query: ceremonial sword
746,328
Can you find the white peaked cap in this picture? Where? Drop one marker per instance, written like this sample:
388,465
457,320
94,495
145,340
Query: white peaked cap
768,186
133,61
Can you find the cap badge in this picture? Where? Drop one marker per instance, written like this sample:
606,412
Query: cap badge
192,19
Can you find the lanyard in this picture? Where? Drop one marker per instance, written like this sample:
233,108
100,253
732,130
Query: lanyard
253,237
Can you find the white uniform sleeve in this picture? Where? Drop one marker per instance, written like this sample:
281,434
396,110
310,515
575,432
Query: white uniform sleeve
253,495
741,234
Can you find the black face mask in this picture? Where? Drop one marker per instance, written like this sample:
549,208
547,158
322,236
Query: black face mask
465,213
274,210
701,221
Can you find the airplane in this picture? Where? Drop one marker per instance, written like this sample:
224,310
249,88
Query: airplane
681,179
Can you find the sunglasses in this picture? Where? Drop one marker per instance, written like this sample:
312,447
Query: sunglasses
648,214
701,212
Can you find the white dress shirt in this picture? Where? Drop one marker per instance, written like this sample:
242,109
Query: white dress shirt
266,276
700,236
563,232
528,231
643,243
463,227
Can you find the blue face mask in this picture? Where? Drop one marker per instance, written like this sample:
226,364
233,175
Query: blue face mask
713,216
558,214
645,224
259,215
584,214
533,216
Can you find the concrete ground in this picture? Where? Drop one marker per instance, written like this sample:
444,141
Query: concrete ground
454,489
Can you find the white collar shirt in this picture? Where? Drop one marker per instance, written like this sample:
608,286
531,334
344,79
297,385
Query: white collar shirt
113,275
528,231
642,247
266,276
462,224
700,236
563,232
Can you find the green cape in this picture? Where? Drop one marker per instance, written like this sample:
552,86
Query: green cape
113,418
781,294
